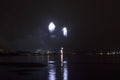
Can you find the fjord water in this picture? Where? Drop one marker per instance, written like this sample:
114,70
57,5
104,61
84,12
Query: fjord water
59,67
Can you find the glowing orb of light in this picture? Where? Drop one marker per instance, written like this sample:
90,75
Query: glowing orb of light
64,29
51,27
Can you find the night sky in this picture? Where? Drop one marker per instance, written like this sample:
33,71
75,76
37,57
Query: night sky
91,24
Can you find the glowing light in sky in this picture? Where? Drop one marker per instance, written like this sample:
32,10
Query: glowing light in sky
51,27
64,29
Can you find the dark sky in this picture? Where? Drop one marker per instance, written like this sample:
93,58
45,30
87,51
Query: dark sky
91,24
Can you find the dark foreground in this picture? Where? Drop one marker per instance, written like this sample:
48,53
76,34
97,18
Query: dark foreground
73,67
94,67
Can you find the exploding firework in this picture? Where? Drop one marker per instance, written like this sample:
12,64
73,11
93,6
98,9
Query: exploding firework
51,27
64,29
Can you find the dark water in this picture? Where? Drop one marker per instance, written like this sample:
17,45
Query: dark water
71,67
94,67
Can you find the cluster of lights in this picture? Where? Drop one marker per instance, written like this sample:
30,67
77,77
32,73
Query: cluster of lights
51,28
42,51
109,53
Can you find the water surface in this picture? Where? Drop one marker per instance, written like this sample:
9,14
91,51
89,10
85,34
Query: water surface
59,67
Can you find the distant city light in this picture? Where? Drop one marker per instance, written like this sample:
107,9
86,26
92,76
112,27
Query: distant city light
64,29
51,27
101,53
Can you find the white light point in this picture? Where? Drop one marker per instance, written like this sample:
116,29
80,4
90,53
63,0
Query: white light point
64,29
51,27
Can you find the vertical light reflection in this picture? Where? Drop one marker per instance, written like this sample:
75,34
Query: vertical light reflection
64,68
52,72
65,71
58,67
61,56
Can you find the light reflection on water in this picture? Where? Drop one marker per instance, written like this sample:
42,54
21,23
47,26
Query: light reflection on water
52,71
65,73
58,67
